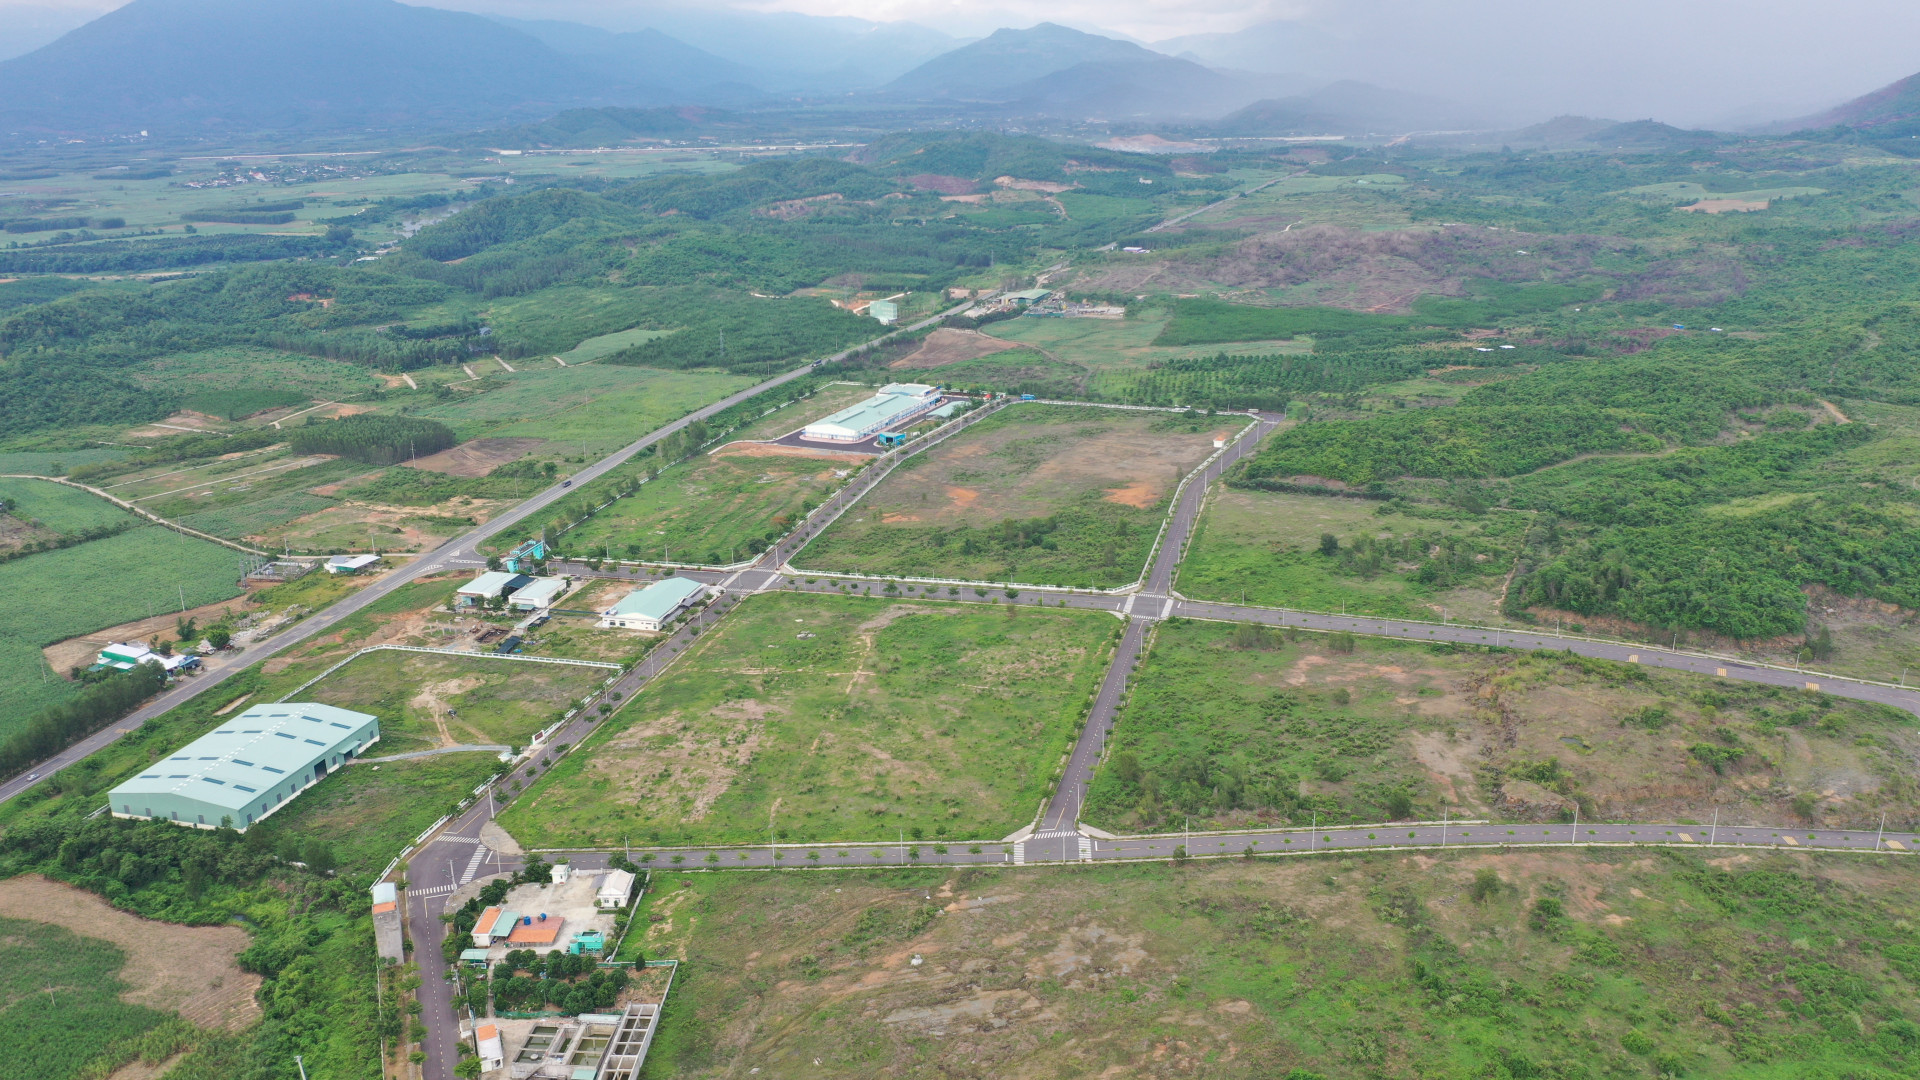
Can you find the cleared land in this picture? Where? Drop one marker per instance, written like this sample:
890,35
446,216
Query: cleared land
838,719
426,701
188,970
721,507
593,411
1554,964
948,346
1264,547
477,458
1044,494
1235,726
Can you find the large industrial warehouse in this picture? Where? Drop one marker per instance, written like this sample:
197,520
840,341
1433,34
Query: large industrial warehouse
895,404
249,767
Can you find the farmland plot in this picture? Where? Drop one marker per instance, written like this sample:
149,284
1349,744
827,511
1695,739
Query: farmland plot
1049,495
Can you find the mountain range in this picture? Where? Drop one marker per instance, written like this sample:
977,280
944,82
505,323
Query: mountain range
198,67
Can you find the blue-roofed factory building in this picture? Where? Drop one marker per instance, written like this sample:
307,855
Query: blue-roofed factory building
249,767
893,406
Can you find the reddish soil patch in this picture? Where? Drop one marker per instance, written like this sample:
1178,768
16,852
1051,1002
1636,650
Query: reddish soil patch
1015,184
476,458
1139,493
768,449
187,970
962,498
947,346
945,185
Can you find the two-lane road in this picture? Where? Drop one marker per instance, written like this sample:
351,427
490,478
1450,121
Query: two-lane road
461,552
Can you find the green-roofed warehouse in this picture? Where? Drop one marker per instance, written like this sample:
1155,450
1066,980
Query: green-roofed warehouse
654,606
248,767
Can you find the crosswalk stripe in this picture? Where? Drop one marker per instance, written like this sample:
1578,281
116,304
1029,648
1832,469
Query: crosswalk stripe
473,864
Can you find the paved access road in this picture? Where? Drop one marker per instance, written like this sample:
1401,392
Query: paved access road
455,856
460,552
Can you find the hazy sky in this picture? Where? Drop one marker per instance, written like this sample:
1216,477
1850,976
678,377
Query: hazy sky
1683,61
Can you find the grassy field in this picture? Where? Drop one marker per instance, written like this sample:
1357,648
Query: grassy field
57,508
426,701
709,509
1535,964
1101,357
367,813
101,583
1043,494
241,367
593,410
60,1002
1264,546
594,348
841,719
1234,726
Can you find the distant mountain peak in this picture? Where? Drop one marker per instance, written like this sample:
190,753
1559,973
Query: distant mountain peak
996,66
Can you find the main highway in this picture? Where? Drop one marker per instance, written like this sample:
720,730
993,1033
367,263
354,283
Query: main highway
460,552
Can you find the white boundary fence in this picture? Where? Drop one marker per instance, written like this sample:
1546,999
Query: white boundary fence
453,652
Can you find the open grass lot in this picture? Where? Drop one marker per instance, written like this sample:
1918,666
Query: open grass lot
596,409
426,701
1051,495
1602,963
839,719
101,583
56,509
1106,358
709,509
1264,546
1234,726
243,367
367,813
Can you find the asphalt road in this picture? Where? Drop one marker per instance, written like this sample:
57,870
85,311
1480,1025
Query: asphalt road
459,552
454,856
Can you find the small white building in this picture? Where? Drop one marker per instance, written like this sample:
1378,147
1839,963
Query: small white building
490,586
351,564
486,1039
538,594
654,606
125,656
616,889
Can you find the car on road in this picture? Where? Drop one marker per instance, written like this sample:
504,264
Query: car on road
566,483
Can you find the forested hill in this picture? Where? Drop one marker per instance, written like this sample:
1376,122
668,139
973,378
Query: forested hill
288,65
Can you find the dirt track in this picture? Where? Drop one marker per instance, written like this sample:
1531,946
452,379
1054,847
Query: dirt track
188,970
948,346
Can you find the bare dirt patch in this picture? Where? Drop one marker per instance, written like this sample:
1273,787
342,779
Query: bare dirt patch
81,651
945,185
1727,206
188,970
948,346
1363,271
769,449
1024,469
477,458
